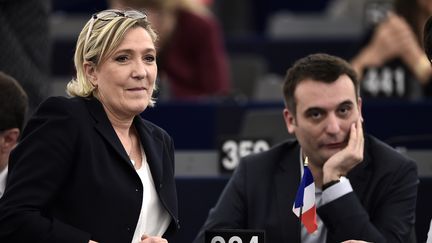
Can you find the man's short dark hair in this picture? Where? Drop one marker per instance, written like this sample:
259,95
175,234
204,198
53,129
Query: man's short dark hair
13,103
320,67
427,38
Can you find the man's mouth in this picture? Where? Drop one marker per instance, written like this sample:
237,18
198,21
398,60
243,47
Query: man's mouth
334,145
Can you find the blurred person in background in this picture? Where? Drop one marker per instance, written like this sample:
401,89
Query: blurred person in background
392,63
192,61
13,109
364,11
427,40
89,168
25,45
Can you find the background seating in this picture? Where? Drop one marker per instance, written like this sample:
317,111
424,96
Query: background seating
198,126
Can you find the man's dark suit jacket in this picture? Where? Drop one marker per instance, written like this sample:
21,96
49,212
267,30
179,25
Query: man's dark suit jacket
261,193
70,179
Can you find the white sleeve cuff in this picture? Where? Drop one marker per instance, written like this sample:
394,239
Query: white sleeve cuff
336,191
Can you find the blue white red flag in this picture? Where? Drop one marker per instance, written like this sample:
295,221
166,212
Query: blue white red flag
304,205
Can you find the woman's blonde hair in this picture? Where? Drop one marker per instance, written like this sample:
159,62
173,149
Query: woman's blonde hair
99,38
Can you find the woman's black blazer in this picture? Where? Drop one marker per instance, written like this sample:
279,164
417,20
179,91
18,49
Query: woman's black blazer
70,179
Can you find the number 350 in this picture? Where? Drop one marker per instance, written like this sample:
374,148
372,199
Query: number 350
234,150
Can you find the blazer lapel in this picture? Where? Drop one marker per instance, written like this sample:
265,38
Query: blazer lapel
153,148
105,129
286,182
152,144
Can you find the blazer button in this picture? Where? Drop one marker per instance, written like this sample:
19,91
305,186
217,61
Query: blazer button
128,229
136,189
160,185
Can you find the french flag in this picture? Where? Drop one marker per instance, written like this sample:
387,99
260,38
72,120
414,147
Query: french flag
304,205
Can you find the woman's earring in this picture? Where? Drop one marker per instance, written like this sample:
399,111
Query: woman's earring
93,83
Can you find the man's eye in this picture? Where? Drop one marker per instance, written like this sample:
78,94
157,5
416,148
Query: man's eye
315,115
344,110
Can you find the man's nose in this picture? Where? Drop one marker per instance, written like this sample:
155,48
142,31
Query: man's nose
332,124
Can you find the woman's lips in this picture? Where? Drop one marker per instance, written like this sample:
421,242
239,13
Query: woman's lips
137,89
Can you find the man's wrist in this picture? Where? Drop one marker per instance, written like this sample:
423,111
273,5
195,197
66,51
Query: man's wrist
330,173
330,183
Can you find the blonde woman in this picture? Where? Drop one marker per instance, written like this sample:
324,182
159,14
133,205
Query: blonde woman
89,168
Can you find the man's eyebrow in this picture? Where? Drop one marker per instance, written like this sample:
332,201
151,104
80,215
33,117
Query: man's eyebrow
320,109
346,102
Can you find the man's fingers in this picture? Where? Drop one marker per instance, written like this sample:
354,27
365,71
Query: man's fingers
360,137
353,136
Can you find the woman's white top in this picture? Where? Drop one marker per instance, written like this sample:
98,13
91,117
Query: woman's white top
429,238
154,219
3,175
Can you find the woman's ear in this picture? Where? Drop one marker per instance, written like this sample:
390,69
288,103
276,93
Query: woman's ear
90,72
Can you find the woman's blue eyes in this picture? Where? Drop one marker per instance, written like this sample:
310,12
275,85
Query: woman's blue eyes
148,58
121,58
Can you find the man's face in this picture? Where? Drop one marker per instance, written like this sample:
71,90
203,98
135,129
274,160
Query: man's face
8,140
323,117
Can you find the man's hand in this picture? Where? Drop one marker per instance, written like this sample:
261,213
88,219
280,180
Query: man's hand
152,239
343,161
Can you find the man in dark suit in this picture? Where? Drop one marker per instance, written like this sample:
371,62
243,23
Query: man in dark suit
364,189
13,108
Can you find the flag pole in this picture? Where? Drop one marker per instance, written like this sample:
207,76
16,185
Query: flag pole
300,221
306,162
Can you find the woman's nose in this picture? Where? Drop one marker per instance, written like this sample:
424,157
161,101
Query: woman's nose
139,72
